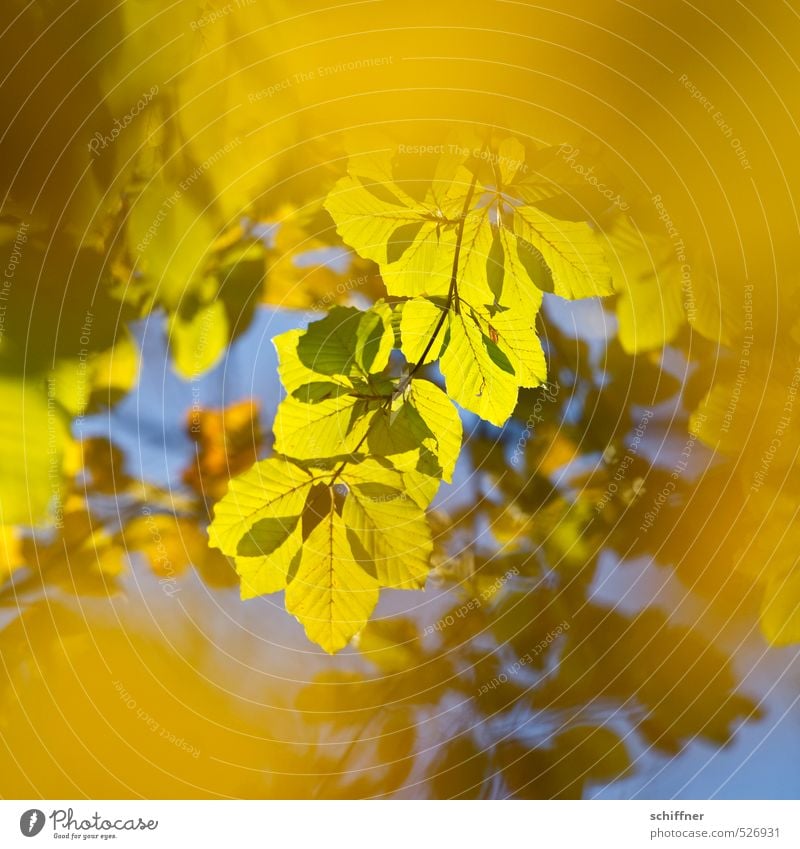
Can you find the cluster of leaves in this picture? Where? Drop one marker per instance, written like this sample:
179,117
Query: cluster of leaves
362,443
595,688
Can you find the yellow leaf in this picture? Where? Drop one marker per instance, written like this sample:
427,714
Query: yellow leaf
170,543
33,434
271,488
348,342
521,267
514,333
170,238
389,526
331,595
413,242
226,443
650,305
103,376
510,159
479,276
116,369
400,473
477,378
10,552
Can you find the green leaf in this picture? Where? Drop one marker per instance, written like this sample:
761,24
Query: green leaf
780,609
266,535
331,594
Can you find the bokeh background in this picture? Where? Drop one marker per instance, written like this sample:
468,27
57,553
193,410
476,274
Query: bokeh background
632,530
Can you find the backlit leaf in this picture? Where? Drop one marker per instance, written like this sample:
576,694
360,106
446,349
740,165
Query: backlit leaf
474,379
387,523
